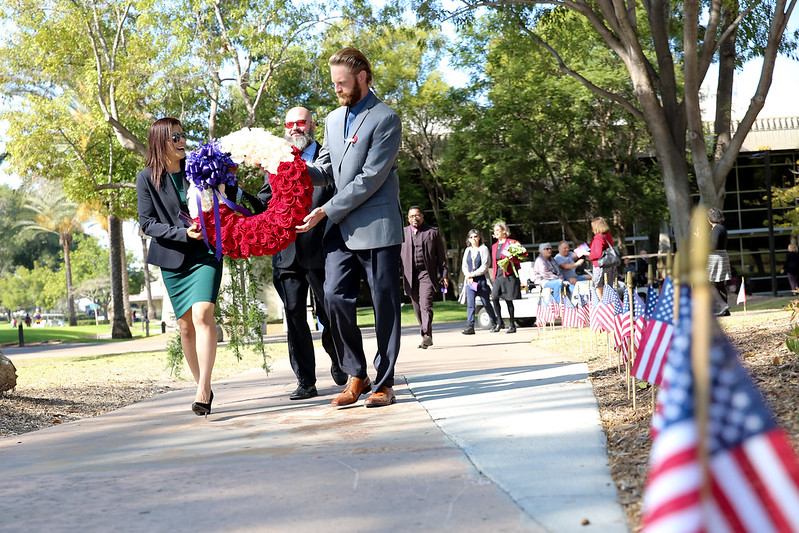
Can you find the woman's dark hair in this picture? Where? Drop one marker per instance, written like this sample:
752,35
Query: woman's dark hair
715,216
474,232
160,134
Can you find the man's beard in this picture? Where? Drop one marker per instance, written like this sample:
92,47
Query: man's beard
302,142
351,98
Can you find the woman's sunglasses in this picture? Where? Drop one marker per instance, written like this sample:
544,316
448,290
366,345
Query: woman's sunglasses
178,136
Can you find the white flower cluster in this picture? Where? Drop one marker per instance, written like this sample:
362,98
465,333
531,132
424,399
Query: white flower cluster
206,197
257,147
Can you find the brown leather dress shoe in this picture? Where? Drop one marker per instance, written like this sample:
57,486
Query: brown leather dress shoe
381,397
355,388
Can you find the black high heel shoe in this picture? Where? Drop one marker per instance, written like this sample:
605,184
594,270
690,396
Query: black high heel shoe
201,409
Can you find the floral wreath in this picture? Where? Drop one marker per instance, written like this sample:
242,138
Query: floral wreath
241,233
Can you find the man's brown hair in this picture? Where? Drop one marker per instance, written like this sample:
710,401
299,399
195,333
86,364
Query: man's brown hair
354,60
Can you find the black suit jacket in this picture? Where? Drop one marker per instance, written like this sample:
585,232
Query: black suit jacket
306,251
158,218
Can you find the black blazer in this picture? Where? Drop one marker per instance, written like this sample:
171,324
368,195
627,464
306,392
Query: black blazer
307,249
158,218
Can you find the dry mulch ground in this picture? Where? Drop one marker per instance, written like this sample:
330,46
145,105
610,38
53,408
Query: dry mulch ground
36,408
760,340
761,343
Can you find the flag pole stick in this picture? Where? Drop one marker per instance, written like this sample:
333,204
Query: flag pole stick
654,397
700,337
667,271
676,271
742,288
631,353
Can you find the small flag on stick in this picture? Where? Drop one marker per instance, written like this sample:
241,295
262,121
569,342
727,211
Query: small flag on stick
742,295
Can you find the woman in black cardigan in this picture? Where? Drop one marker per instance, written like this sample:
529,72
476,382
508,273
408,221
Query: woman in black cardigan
190,270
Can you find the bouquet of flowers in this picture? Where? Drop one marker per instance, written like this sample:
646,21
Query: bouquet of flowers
256,147
229,228
512,258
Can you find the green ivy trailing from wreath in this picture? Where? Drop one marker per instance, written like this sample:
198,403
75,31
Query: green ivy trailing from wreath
241,311
174,356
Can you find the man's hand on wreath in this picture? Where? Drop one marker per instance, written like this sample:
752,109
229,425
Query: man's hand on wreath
313,218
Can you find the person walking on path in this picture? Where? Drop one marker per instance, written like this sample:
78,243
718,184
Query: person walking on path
476,260
424,269
506,280
791,266
364,225
718,262
190,270
602,239
300,266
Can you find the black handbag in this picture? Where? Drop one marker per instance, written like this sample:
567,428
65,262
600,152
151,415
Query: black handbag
610,256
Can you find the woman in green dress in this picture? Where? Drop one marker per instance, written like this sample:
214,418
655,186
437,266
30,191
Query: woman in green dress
190,270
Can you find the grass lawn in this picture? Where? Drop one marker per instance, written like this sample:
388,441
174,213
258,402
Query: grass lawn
9,335
442,312
761,303
42,373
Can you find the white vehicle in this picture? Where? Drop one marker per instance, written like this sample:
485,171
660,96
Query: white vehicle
526,309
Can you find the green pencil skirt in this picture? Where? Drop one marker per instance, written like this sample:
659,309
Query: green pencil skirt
197,282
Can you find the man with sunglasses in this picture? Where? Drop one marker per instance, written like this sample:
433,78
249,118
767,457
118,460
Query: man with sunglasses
300,266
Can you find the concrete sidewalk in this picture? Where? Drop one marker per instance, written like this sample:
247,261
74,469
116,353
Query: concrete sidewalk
489,433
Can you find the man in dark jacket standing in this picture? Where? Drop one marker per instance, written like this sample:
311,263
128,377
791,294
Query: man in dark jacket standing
424,269
300,266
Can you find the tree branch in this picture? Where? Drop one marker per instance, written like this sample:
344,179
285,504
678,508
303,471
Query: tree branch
626,104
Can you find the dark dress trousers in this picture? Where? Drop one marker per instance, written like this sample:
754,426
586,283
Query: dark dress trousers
295,269
364,232
424,263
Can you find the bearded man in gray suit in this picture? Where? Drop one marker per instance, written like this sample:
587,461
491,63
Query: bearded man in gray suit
364,225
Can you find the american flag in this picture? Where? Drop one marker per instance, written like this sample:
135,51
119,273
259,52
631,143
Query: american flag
667,371
572,318
615,304
596,303
638,318
638,314
605,314
546,310
651,302
752,474
584,308
652,352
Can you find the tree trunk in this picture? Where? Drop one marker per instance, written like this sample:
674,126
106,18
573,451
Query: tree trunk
722,124
667,133
73,320
123,265
119,326
150,305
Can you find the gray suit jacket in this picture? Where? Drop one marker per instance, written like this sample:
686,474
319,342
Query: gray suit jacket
363,168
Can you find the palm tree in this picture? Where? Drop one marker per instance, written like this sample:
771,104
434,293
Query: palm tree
51,212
